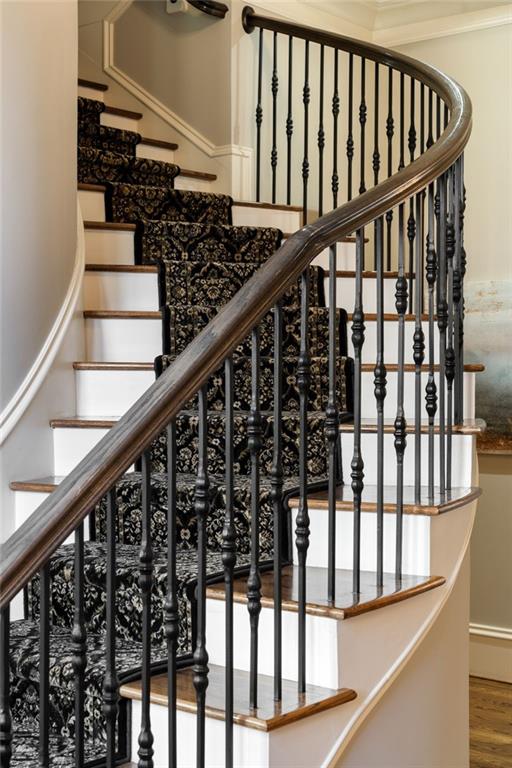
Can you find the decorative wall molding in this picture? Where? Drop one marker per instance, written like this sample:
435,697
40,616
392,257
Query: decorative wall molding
490,650
43,362
486,630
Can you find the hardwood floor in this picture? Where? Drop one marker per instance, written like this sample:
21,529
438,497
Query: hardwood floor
490,722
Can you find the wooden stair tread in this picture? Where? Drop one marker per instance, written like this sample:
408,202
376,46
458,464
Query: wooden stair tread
159,143
269,714
83,187
92,84
368,272
468,426
390,317
40,485
109,110
437,505
346,605
269,206
106,366
141,269
118,226
122,314
410,367
197,174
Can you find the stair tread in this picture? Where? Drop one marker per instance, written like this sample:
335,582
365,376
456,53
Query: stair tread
84,83
197,174
345,605
122,314
269,206
425,505
158,143
468,426
133,268
110,225
369,273
269,714
121,112
146,366
410,367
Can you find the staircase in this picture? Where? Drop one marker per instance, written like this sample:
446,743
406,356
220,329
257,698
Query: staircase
239,482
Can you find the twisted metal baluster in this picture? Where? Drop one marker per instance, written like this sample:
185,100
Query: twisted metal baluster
362,122
171,598
431,388
442,324
390,132
79,647
335,181
259,118
450,352
254,435
276,490
418,349
306,97
321,135
350,136
274,88
357,465
302,520
229,558
380,394
110,680
44,667
400,427
145,751
201,506
5,710
289,123
332,426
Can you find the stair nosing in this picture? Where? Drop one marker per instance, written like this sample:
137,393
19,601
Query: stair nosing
92,84
159,143
121,112
122,314
130,268
115,226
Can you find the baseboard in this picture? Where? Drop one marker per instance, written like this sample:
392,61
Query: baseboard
42,364
490,652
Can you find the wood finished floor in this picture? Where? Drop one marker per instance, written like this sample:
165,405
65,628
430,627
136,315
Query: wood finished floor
490,722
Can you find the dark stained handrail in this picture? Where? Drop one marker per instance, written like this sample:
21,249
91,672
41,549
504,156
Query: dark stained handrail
210,7
31,546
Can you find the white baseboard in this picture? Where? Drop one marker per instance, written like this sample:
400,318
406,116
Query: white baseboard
490,652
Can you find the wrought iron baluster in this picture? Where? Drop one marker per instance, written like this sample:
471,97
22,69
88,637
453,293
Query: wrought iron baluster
376,152
306,97
401,162
418,348
321,135
332,426
438,116
44,667
430,137
5,709
357,465
350,136
276,485
229,558
110,680
457,296
145,751
442,324
450,353
201,506
380,395
259,118
171,599
274,88
254,435
422,118
390,132
362,122
78,639
289,123
400,428
335,181
302,520
431,388
411,223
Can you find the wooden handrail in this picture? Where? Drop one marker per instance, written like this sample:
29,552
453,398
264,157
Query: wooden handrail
31,546
210,7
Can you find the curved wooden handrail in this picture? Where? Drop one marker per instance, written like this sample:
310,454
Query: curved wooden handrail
30,547
210,7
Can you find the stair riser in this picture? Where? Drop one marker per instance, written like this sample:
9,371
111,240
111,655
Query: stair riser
92,205
109,393
91,93
120,291
122,340
108,246
462,452
345,255
195,185
155,153
70,446
119,121
391,341
416,541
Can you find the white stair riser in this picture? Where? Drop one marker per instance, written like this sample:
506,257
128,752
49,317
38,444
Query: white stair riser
416,541
194,185
119,121
109,393
91,93
121,291
26,502
368,402
150,152
71,445
103,246
391,341
462,452
345,257
122,340
287,221
345,293
323,663
92,205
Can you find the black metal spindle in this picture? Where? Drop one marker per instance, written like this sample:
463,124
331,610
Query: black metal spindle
390,132
430,136
254,439
78,640
450,352
400,427
411,222
171,598
422,118
5,710
438,116
457,296
362,122
145,751
442,324
321,134
380,395
418,348
431,388
110,680
276,485
289,124
401,162
332,426
259,118
376,152
201,506
306,97
44,667
350,135
275,89
335,181
229,558
357,465
302,520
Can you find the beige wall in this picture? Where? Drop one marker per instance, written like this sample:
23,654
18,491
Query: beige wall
38,157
